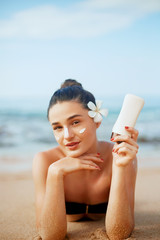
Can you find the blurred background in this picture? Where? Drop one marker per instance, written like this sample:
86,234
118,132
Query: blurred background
111,46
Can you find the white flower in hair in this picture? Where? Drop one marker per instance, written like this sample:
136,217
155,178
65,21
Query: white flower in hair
96,111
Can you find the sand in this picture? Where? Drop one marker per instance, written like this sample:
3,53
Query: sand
17,210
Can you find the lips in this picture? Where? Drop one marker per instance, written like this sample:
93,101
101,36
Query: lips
72,145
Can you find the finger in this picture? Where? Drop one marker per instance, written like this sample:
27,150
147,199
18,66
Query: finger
95,159
134,147
127,152
91,155
134,132
85,164
89,167
124,138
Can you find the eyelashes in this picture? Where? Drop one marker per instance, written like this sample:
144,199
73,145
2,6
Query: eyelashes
57,128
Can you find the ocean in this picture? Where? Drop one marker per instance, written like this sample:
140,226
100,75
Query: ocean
25,130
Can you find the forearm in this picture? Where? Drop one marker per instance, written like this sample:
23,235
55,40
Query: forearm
120,216
53,223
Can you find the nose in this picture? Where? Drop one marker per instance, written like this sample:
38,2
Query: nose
68,133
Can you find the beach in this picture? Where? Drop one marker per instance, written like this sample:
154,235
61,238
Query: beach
24,131
17,209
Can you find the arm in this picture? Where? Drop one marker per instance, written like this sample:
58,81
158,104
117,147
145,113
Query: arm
50,207
120,212
49,186
53,217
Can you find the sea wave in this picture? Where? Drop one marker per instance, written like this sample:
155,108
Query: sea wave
25,130
22,124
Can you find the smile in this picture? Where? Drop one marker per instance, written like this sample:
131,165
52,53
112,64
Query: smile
72,145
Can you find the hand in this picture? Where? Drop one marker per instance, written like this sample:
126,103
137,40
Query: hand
68,164
126,150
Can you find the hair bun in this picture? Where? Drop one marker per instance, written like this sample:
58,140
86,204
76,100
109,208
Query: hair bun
70,82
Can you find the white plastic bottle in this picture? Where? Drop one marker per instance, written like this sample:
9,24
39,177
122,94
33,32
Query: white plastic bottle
131,108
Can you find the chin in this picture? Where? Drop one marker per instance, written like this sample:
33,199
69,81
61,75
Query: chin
76,153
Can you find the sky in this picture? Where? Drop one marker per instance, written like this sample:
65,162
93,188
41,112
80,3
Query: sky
111,46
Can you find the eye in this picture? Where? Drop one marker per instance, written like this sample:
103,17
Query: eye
57,128
75,122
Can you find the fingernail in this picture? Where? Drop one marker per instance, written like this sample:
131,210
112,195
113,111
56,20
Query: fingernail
98,167
98,153
112,139
126,127
102,159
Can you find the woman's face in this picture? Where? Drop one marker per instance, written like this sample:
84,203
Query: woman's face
73,129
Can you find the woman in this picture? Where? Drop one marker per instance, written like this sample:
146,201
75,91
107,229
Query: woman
84,177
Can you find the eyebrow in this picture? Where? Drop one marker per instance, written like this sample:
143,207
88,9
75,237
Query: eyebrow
71,117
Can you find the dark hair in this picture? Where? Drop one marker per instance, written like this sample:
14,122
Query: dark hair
71,90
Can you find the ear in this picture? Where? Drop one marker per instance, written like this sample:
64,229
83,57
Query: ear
98,124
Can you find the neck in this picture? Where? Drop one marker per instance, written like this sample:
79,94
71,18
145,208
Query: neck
94,148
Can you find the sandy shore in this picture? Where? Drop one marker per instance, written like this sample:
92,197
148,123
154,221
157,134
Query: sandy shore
17,213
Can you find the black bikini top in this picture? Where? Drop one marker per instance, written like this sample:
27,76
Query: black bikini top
79,208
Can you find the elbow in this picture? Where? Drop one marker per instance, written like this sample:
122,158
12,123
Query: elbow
119,232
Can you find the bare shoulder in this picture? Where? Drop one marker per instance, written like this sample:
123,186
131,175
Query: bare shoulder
43,160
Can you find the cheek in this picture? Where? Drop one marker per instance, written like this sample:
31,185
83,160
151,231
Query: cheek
82,130
57,136
85,130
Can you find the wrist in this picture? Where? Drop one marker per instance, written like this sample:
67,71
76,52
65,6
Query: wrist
55,172
118,168
54,178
